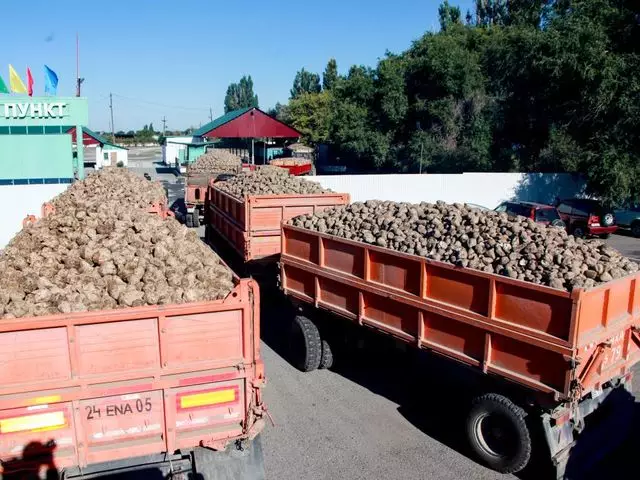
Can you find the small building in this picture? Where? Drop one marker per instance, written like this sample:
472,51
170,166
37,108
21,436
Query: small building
107,154
249,123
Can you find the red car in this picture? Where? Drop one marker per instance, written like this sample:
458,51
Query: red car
538,212
587,217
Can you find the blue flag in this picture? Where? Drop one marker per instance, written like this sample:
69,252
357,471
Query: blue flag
50,81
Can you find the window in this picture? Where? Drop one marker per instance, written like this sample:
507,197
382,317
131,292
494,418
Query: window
517,209
547,215
501,208
105,156
582,209
564,208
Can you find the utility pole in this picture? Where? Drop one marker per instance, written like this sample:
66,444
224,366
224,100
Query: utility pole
113,135
78,79
210,115
164,126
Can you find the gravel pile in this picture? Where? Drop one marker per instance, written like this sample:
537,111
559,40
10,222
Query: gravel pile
484,240
269,180
97,253
215,162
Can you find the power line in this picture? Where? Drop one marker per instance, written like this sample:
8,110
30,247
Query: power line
161,104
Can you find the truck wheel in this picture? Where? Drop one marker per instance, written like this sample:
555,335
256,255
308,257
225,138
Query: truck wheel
326,358
189,220
306,345
498,433
635,229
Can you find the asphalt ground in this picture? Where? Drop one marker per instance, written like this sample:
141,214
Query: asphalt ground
384,412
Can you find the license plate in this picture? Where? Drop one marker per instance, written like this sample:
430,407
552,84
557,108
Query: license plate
595,224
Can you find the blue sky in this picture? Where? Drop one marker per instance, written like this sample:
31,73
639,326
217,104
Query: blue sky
177,62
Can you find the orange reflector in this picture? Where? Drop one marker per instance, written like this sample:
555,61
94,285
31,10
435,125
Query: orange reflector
208,398
40,421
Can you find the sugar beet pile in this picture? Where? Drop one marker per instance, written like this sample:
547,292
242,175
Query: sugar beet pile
215,162
483,240
96,251
269,180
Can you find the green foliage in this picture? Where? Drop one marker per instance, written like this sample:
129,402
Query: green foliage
240,95
330,75
310,115
448,15
526,85
305,82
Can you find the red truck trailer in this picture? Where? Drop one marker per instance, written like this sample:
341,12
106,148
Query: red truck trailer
295,166
171,388
556,356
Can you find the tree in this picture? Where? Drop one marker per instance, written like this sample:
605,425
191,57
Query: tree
240,95
330,75
448,15
119,133
310,114
305,82
131,133
151,128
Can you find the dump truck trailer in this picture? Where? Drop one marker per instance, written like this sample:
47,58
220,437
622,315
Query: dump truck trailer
169,388
548,354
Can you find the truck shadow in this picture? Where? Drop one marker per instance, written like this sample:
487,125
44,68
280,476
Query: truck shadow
434,394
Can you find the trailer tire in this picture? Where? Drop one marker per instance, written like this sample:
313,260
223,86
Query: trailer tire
326,358
306,344
498,433
189,220
195,218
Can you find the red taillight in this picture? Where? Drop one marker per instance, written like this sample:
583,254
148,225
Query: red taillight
593,219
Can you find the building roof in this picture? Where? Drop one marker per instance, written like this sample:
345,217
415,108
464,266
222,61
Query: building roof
248,122
218,122
89,137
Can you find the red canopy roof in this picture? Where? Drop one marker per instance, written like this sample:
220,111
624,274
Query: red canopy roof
88,137
253,123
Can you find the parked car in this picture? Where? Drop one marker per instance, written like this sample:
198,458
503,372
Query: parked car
538,212
476,206
587,217
629,217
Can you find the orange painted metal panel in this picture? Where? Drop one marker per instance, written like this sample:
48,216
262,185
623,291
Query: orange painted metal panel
343,258
455,288
252,225
110,373
540,337
395,272
32,356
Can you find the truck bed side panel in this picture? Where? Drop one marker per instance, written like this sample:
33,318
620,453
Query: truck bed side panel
525,332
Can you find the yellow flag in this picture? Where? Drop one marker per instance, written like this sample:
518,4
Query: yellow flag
17,85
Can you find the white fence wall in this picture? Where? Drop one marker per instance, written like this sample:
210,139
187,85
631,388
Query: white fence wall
486,189
20,201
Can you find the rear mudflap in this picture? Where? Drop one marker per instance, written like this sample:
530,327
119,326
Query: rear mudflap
598,427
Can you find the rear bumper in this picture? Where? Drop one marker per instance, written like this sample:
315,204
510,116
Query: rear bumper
602,230
246,462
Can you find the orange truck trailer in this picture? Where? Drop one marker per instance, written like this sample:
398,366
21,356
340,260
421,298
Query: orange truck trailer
542,353
251,225
171,388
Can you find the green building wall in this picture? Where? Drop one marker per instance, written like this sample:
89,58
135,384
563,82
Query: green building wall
36,157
